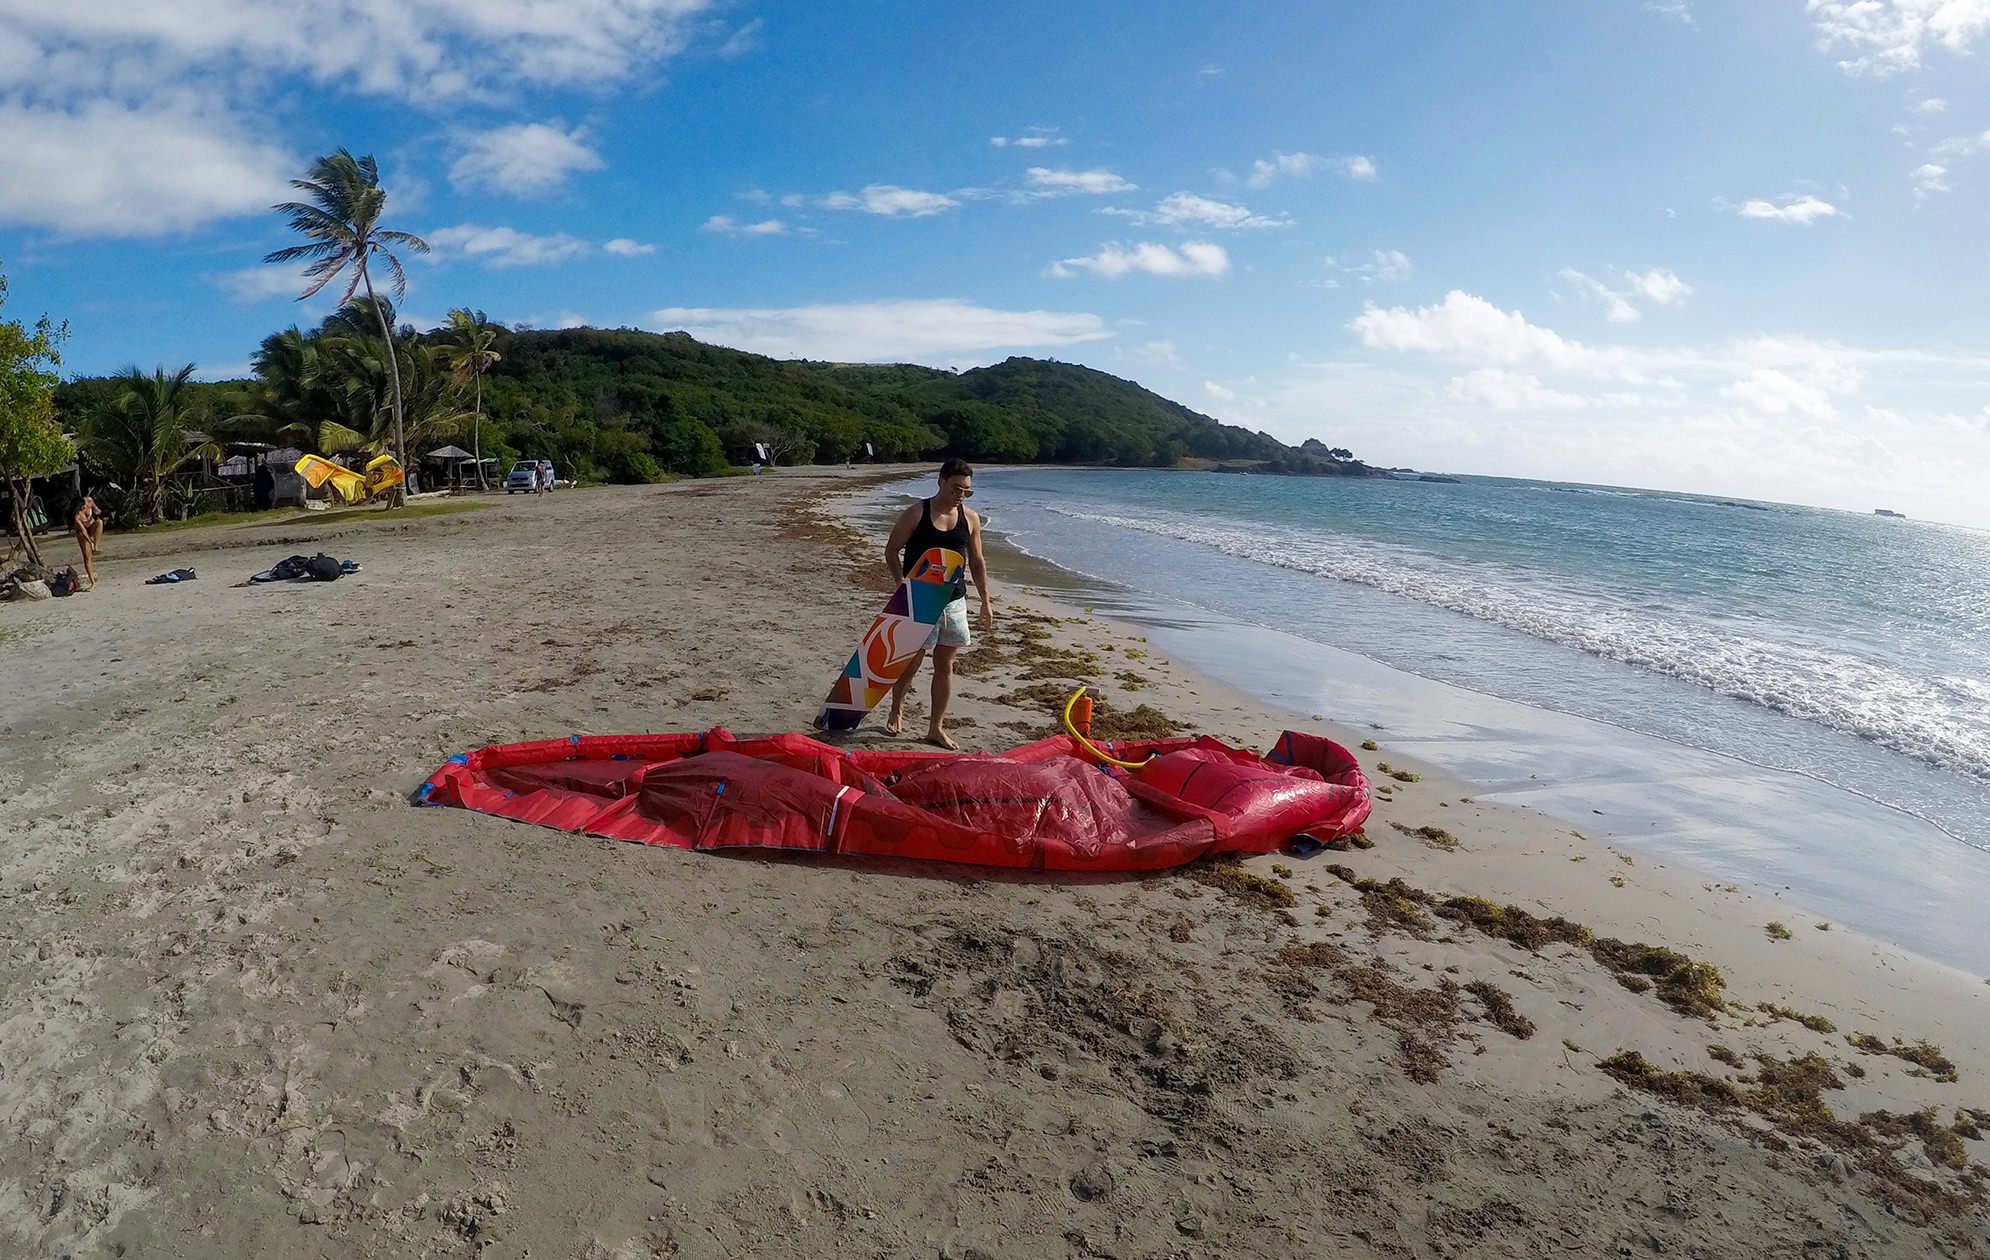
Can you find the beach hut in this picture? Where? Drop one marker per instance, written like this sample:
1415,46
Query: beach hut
458,465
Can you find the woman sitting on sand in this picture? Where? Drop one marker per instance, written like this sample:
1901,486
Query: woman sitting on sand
88,522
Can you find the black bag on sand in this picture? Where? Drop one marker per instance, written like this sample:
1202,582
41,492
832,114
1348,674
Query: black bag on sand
283,570
322,568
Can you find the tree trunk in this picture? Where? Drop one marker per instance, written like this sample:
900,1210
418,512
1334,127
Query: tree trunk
477,429
17,499
394,368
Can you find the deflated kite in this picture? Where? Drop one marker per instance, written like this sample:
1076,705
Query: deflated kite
1056,804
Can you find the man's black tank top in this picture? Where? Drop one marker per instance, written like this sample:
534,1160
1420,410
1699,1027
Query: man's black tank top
925,536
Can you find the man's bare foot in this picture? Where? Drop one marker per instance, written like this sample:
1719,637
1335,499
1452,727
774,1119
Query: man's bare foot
935,735
895,721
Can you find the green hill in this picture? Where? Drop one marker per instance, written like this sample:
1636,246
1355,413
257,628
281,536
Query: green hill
694,402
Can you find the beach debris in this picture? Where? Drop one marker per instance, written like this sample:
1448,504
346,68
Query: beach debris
1788,1095
1816,1023
1924,1055
1500,1012
1687,986
1227,875
1776,931
1722,1054
1436,837
1618,881
1400,776
1369,745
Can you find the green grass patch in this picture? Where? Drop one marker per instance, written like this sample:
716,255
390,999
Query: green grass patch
277,517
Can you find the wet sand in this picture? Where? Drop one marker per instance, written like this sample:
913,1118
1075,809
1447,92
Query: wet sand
256,1004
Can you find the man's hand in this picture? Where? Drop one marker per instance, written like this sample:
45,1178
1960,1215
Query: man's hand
986,621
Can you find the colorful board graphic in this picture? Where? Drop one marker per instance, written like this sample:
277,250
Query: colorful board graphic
898,635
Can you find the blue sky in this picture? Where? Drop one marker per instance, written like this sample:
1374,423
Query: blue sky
1735,249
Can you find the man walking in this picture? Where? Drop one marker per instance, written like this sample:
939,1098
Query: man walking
941,521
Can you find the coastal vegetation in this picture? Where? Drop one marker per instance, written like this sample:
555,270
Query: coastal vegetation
31,442
603,405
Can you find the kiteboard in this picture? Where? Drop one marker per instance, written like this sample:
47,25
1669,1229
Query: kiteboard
897,636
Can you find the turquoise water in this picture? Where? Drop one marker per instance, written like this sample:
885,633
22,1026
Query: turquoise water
1851,650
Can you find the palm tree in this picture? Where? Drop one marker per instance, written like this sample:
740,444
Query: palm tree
468,353
344,226
294,400
365,376
145,435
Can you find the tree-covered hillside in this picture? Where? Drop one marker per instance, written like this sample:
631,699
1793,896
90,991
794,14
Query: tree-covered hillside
631,406
695,402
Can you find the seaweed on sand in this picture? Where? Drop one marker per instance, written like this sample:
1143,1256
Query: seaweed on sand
1922,1054
1687,986
1816,1023
1511,923
1227,875
1788,1094
1437,837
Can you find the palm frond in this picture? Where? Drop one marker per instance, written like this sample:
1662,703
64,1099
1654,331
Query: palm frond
406,239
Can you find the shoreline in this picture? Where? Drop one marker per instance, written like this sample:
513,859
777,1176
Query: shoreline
260,1005
1786,834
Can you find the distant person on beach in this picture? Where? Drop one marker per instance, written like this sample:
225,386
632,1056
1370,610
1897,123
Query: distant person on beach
941,521
88,522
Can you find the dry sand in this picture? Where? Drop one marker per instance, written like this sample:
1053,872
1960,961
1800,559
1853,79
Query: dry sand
254,1004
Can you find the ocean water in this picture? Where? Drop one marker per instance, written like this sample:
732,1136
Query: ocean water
1839,662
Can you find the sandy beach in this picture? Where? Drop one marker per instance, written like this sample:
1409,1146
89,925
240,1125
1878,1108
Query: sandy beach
257,1004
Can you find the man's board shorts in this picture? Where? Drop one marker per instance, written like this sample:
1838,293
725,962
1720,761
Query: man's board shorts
951,629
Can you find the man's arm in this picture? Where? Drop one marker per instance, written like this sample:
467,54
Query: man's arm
894,546
977,566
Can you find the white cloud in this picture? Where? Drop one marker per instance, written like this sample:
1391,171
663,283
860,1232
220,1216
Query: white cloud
1928,180
1774,392
1615,308
260,284
1961,146
1804,210
623,247
1657,286
726,225
1035,138
424,51
1511,391
897,331
1267,171
1785,418
137,117
1387,266
1471,329
1218,392
504,246
889,200
1931,105
1059,183
1181,209
741,42
524,159
1196,258
103,169
1889,36
1671,10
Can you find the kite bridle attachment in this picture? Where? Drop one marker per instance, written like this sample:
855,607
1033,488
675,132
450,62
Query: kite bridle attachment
1087,744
